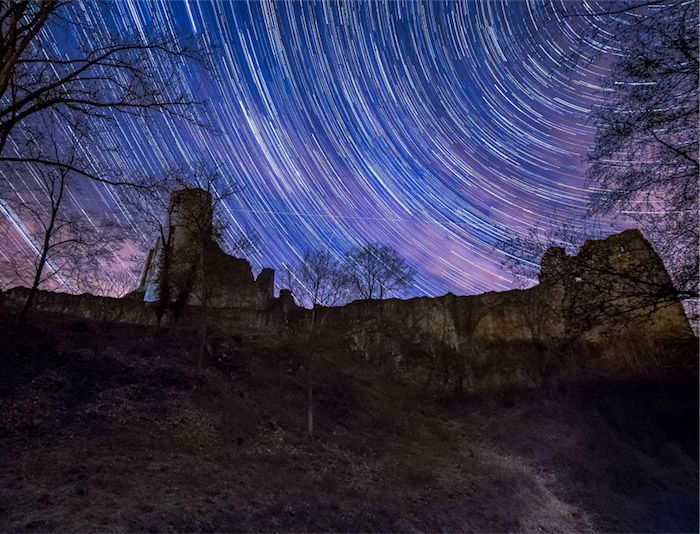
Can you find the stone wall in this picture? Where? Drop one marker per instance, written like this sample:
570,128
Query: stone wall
243,321
579,323
229,280
232,285
566,329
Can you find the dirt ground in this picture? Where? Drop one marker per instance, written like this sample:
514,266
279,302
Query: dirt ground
105,428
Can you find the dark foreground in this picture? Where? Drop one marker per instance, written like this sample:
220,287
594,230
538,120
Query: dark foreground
104,428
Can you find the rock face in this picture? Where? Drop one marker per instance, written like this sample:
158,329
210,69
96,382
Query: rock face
613,286
603,314
618,284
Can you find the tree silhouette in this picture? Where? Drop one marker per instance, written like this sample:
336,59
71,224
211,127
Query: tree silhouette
54,105
377,270
123,76
69,248
319,280
644,161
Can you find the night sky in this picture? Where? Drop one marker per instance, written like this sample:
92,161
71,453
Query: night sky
430,127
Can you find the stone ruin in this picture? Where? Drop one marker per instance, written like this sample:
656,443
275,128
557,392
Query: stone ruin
592,317
574,324
229,280
615,284
600,294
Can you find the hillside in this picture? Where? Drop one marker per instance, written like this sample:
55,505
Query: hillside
104,428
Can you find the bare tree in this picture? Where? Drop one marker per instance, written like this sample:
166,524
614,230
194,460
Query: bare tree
644,160
203,225
644,163
319,280
129,76
67,247
75,89
377,270
116,284
183,210
373,271
151,209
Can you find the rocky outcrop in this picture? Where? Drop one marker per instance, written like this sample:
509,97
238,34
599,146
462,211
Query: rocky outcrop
604,314
614,286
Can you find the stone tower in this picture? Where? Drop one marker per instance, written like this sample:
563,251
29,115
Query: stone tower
229,280
191,219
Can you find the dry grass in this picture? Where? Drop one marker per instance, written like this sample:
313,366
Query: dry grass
123,438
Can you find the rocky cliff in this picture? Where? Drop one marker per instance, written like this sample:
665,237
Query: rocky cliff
606,313
602,314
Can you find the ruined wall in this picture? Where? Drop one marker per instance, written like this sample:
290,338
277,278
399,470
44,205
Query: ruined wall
233,320
229,280
613,286
231,283
591,317
566,329
572,301
83,306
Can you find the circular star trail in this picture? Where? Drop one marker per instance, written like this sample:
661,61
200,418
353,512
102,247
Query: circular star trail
433,127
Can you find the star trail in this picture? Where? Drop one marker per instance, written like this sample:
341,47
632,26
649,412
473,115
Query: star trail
433,127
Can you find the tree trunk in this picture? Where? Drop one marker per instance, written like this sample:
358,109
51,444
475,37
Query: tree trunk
309,399
37,276
205,313
28,304
163,284
309,381
202,348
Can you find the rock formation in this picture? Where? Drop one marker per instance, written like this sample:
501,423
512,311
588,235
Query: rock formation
613,285
602,314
